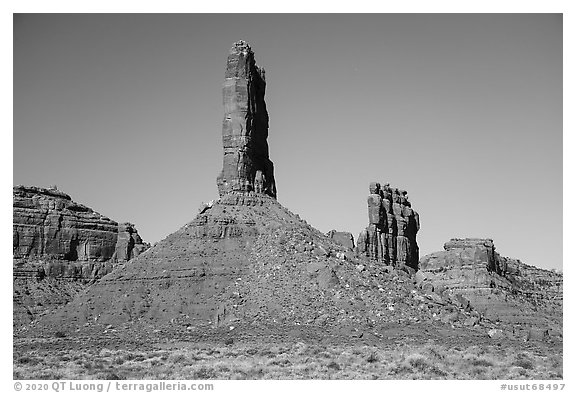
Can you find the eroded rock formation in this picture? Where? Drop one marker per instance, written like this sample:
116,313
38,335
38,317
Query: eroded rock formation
247,259
343,238
129,243
246,166
523,297
60,246
392,227
48,224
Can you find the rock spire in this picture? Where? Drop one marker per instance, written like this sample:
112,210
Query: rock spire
392,227
246,166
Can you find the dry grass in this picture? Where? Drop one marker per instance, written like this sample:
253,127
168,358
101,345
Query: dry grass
297,361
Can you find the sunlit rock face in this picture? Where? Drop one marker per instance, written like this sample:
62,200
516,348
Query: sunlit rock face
246,166
392,227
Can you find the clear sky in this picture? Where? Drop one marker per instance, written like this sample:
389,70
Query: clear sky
124,113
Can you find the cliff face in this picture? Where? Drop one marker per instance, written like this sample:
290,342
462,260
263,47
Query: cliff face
59,246
392,227
523,298
47,222
246,166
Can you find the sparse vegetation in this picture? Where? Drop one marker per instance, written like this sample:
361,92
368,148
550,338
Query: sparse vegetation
293,361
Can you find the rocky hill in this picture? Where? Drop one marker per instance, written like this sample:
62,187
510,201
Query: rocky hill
59,246
524,300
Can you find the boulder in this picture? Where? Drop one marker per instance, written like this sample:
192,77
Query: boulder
496,334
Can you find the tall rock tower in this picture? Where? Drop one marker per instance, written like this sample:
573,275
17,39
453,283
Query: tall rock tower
245,127
392,227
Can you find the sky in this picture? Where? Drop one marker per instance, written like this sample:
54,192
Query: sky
464,111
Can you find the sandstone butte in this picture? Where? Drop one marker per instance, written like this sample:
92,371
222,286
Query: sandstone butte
245,260
59,246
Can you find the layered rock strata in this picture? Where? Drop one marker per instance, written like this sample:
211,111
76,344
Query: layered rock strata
247,166
48,224
129,243
392,227
522,297
59,246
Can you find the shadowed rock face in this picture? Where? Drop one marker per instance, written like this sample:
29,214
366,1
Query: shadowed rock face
246,166
392,227
525,298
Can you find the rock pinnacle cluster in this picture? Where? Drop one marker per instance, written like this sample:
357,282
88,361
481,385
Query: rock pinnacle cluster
246,166
392,227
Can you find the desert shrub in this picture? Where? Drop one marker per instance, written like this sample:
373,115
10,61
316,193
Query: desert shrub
223,368
110,375
526,364
280,362
372,358
177,358
522,360
204,373
300,348
481,362
266,352
88,365
136,357
333,365
106,352
417,362
435,352
256,372
28,360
